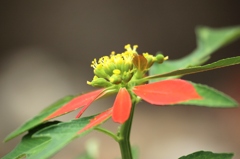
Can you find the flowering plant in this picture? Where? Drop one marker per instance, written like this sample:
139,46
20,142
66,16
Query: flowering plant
133,77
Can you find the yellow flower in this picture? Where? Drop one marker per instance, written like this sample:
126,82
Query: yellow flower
122,68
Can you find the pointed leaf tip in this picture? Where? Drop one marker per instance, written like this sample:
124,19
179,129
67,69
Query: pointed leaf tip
77,102
167,92
122,106
97,120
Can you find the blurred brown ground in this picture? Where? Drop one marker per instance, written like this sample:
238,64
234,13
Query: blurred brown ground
47,46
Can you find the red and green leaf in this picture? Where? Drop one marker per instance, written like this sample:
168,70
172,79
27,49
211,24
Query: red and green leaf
167,92
211,98
60,107
79,101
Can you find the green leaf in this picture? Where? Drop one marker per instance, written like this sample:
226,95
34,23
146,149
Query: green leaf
219,64
212,98
208,155
45,142
39,118
28,145
208,41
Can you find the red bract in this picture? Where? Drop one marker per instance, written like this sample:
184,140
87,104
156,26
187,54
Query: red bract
160,93
79,101
122,106
166,92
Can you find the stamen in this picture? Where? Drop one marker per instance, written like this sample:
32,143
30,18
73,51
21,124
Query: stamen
135,47
127,47
166,58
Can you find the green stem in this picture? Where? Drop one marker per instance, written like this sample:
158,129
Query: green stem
124,136
107,132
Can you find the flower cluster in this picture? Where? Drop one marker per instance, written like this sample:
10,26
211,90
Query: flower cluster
123,69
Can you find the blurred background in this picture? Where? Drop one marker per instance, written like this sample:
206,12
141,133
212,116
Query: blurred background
47,46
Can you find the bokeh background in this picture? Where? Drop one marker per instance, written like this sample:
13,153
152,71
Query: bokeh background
47,46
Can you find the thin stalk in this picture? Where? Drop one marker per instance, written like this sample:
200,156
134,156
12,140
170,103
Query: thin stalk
124,136
107,132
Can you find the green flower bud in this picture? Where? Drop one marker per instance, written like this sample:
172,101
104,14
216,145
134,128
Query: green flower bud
99,82
160,58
